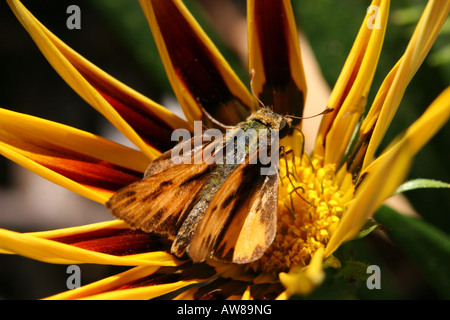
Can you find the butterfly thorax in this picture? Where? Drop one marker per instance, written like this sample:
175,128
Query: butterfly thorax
270,120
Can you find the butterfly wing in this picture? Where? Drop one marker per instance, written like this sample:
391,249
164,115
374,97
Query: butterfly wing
240,222
177,155
253,226
159,202
163,199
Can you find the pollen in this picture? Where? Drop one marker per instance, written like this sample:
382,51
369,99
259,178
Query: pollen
310,205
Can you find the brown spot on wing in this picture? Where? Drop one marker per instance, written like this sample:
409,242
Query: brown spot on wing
159,202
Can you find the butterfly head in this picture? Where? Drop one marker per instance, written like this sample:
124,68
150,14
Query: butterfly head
272,120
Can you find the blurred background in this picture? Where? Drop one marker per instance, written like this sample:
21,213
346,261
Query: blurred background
115,36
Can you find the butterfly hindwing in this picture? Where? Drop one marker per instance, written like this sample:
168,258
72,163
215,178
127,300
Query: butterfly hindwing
253,226
219,174
240,221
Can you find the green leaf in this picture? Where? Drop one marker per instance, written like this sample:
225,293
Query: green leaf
369,227
353,271
426,245
421,184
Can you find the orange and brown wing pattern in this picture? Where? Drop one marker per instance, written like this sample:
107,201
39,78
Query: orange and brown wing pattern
240,221
159,202
253,226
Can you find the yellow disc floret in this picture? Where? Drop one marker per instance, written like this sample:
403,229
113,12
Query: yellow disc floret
309,208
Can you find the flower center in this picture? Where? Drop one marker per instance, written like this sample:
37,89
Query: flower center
310,204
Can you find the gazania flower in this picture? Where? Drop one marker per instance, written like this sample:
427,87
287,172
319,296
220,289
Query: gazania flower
326,196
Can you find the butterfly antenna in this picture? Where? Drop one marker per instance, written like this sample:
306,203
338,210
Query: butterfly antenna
327,110
213,120
252,89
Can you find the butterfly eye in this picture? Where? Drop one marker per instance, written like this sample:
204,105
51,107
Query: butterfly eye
285,124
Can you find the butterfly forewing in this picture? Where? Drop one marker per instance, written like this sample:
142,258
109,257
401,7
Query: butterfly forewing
175,156
159,202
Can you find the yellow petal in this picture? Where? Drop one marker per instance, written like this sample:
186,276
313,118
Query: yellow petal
64,232
200,76
274,56
305,280
283,296
391,91
433,119
349,95
82,162
247,295
142,282
386,172
377,185
123,107
142,293
41,249
422,130
105,285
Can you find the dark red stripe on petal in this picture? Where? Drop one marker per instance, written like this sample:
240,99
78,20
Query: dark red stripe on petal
153,130
272,38
118,242
272,29
150,126
195,66
165,275
78,167
98,174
